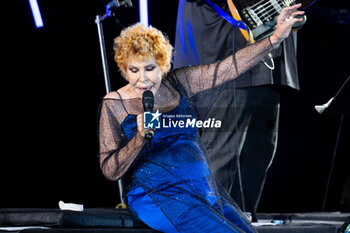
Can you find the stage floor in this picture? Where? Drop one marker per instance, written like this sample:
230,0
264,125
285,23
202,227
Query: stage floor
120,220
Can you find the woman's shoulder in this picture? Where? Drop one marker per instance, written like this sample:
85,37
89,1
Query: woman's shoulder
121,94
113,105
112,95
122,103
113,100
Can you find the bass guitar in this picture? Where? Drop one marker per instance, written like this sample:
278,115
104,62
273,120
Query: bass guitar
261,15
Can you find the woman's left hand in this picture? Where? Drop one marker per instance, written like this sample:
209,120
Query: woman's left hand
285,21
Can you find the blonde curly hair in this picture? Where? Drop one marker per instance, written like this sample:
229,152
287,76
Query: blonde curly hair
142,41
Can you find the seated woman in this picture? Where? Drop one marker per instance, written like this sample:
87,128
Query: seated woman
169,186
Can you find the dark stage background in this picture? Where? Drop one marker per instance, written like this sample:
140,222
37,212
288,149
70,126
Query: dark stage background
52,84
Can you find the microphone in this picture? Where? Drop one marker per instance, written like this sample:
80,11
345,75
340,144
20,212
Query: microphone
148,103
116,4
320,108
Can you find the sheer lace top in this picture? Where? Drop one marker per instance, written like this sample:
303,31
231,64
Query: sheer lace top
117,153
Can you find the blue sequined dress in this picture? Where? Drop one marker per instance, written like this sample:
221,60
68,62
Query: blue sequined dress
171,181
170,186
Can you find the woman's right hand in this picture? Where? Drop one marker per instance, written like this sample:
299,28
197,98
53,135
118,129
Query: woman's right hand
140,129
285,21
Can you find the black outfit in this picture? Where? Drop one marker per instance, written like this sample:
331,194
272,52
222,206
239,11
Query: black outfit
250,121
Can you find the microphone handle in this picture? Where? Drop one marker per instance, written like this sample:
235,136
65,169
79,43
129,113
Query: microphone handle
149,137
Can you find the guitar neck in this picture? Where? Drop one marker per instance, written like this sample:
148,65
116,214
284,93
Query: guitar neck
260,16
264,11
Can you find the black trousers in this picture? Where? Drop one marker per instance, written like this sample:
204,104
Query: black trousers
241,152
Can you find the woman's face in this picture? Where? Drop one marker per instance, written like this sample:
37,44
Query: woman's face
143,75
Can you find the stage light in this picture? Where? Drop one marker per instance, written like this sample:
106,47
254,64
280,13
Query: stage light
36,13
143,8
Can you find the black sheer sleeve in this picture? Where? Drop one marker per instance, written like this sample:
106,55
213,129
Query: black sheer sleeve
203,77
116,153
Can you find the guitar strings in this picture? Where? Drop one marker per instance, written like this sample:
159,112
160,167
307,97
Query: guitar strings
265,15
270,11
270,7
270,1
259,3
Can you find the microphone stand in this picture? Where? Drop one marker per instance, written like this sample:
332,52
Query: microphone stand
99,20
320,109
333,160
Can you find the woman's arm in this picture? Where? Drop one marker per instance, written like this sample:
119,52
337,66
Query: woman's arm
203,77
115,158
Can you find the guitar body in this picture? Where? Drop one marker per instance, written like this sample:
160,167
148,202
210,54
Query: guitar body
261,15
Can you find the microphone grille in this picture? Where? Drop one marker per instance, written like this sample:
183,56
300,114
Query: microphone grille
148,100
147,94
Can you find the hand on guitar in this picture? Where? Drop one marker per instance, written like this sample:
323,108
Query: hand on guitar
285,21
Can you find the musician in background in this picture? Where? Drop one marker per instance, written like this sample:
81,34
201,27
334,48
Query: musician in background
241,152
